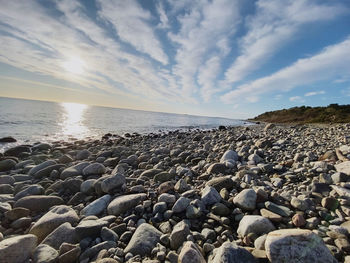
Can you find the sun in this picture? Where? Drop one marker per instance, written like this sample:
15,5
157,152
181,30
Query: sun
74,65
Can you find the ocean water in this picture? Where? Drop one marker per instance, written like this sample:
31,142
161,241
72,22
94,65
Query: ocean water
30,121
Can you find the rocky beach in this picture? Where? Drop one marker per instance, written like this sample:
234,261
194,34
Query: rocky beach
259,193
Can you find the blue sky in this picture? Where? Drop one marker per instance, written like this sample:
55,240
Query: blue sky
231,58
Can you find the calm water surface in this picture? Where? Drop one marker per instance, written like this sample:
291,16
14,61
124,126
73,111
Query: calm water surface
31,121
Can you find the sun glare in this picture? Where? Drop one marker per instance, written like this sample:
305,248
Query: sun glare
74,65
73,119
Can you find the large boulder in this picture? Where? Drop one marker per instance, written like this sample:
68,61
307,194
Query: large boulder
254,224
52,219
17,249
123,203
143,240
297,245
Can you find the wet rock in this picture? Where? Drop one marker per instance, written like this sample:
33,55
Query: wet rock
296,245
8,139
216,168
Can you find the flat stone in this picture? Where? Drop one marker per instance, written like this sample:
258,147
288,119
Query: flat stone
278,209
97,206
52,219
17,213
123,203
74,170
34,189
90,228
221,182
39,203
94,169
17,249
229,252
270,215
150,173
343,167
246,199
41,166
297,245
254,224
143,240
7,179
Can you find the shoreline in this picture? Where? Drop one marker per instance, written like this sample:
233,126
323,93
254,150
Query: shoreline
167,196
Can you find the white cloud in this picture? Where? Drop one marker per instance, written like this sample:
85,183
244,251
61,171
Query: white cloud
314,93
296,99
132,24
275,23
203,41
329,63
164,21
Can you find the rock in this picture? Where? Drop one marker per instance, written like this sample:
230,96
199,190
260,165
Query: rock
150,173
52,219
112,183
229,252
41,166
83,154
90,228
269,126
123,203
221,182
63,233
341,190
181,186
34,189
299,204
39,203
216,168
108,235
96,207
41,147
220,209
17,249
93,251
22,222
181,204
273,217
143,240
6,189
298,220
7,179
74,170
7,139
190,254
278,209
45,172
163,177
88,186
179,235
17,151
7,164
17,213
330,203
167,198
229,156
296,245
94,169
246,199
343,167
254,224
45,254
210,196
69,253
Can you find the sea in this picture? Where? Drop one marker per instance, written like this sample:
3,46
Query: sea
30,121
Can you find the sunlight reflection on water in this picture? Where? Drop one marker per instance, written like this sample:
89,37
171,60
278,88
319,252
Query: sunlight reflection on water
73,120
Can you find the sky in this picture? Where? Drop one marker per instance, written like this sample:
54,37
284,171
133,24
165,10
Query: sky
227,58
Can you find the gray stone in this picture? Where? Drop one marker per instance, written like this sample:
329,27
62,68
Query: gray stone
17,249
108,235
34,189
229,156
299,204
150,173
6,189
17,213
143,240
45,254
74,170
63,233
112,183
190,254
341,190
343,167
254,224
123,203
278,209
90,228
229,252
179,234
7,179
220,183
297,245
7,164
94,169
216,168
167,198
52,219
41,166
93,251
39,203
97,206
45,172
83,154
181,204
246,199
210,196
88,186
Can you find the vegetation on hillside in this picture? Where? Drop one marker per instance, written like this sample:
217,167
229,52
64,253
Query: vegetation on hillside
333,113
